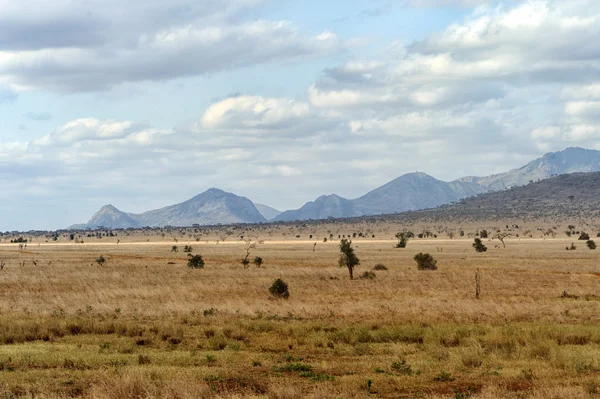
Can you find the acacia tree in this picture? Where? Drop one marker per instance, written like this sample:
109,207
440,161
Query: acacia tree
347,257
501,237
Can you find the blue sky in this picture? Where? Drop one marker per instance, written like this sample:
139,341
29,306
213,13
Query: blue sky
148,103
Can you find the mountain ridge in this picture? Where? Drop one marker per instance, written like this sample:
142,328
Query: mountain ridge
409,192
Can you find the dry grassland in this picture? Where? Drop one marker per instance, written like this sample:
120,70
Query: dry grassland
144,325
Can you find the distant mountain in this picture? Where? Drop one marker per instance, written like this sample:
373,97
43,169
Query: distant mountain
411,192
110,217
408,192
268,212
572,196
323,207
570,160
211,207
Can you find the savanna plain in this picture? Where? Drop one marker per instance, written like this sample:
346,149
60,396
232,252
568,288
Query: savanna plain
142,324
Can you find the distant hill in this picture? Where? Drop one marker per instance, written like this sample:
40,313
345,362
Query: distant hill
569,196
268,212
109,216
211,207
323,207
570,160
408,192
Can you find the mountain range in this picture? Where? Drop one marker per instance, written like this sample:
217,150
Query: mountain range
413,191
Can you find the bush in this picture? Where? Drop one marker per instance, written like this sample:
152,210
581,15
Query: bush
584,236
425,262
258,261
380,267
572,247
402,240
483,234
368,276
478,245
187,248
100,260
196,262
591,244
279,289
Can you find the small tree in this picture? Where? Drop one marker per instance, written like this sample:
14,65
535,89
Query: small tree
174,248
483,234
100,260
258,261
187,248
402,240
348,258
501,237
279,289
584,236
196,262
591,244
478,245
425,262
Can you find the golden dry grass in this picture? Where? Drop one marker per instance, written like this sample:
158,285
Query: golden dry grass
144,325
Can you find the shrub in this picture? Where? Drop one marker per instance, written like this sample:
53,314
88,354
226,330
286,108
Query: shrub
572,247
100,260
196,262
279,289
368,276
584,236
591,244
402,240
478,245
425,262
187,248
380,267
258,261
483,234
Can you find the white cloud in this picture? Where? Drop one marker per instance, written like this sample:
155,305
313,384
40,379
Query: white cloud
91,47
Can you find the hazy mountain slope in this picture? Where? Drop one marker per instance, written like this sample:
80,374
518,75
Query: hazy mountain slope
408,192
570,160
413,191
211,207
568,196
323,207
110,217
268,212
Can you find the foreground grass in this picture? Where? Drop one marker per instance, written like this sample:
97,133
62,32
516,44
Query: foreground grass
216,355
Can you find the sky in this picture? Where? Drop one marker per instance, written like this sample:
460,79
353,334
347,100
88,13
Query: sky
143,104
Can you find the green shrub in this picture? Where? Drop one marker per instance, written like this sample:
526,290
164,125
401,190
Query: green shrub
279,289
584,236
591,244
425,262
196,262
478,245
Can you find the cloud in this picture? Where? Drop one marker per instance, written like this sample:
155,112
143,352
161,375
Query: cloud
482,96
86,47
